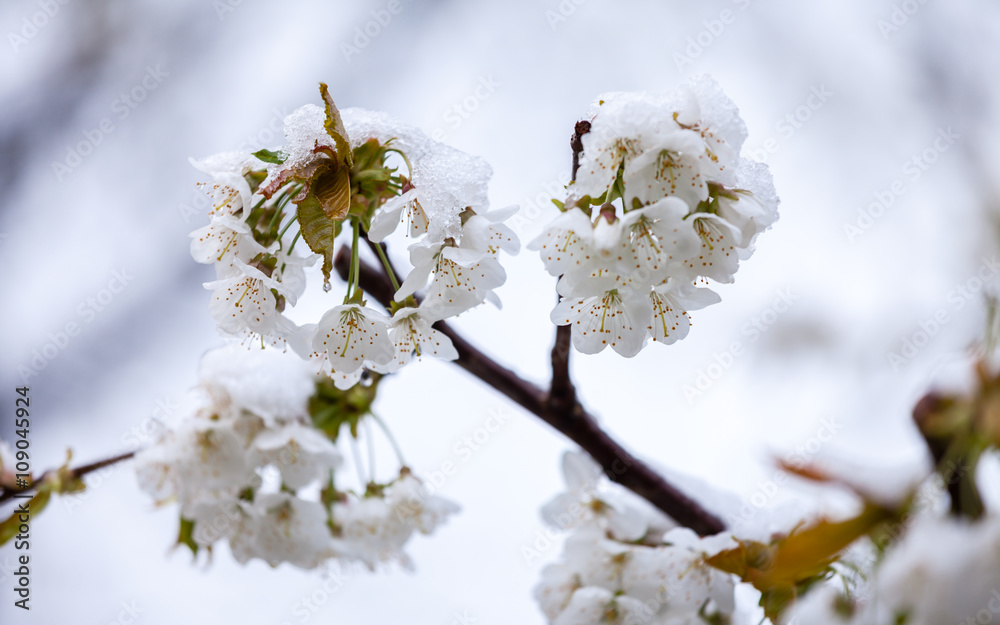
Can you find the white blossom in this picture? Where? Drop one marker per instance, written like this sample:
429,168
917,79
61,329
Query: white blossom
659,239
941,571
230,193
350,335
462,278
574,246
624,561
289,529
601,580
301,453
411,333
251,302
717,257
202,458
618,316
223,241
671,302
690,209
670,167
588,606
411,503
404,208
588,501
265,382
555,589
374,529
753,206
618,583
487,233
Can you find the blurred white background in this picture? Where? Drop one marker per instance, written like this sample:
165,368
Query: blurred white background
103,102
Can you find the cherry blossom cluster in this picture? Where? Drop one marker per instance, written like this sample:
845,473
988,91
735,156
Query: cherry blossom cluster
624,561
349,177
662,200
248,467
257,273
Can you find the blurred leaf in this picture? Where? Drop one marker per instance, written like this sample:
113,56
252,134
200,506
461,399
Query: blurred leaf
185,536
11,527
254,178
791,565
331,408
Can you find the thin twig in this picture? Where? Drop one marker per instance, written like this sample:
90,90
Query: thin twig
77,473
576,144
562,394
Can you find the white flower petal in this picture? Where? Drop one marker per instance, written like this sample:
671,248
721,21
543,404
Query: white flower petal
351,334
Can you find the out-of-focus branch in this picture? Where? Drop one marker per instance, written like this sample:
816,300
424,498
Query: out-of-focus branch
957,469
76,474
574,422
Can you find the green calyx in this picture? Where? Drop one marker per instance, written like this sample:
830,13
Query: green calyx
331,408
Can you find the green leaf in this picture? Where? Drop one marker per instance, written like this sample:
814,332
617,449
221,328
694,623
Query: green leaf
318,230
368,155
185,536
358,297
372,182
254,178
12,526
335,128
617,189
585,202
372,175
331,408
277,157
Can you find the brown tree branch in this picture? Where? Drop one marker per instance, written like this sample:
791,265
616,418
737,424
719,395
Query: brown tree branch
575,423
77,473
576,144
562,394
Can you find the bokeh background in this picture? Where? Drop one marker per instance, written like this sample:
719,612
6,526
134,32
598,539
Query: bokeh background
884,226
